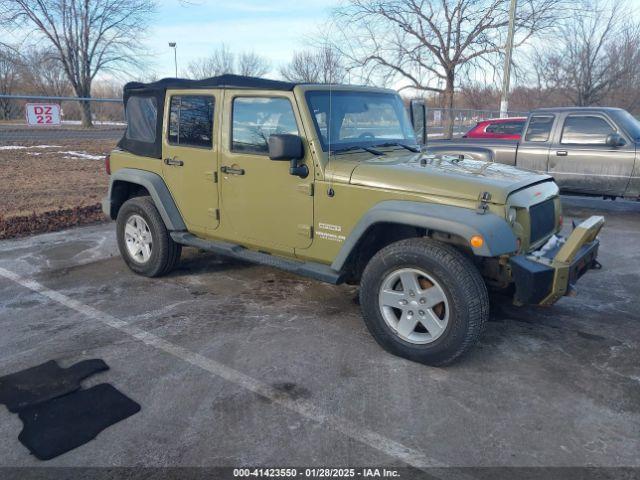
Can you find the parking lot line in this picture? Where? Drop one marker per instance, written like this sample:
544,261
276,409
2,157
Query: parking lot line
303,407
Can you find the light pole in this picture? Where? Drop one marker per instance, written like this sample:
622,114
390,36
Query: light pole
175,55
504,102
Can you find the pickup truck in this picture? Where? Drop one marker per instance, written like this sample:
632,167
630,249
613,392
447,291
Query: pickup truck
588,150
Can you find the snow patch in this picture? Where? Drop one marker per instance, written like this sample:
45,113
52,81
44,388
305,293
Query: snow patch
22,147
71,155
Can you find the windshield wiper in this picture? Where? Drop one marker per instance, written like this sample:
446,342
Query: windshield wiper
359,147
398,144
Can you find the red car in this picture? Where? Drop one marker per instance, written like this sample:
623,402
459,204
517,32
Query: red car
506,128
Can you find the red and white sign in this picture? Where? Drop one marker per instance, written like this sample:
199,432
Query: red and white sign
42,114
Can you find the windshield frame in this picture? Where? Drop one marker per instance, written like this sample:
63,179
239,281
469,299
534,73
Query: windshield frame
402,115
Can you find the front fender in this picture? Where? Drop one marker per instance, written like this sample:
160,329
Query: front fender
498,236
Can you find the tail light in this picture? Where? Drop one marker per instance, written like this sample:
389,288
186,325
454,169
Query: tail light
560,221
107,164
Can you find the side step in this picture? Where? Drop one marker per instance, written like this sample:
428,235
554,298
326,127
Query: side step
317,271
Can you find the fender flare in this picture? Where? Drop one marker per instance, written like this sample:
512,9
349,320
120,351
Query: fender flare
157,189
499,239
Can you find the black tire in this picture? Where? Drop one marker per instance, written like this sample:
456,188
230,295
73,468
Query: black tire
463,286
165,253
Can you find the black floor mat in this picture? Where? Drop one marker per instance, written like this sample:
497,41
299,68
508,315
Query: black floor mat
44,382
64,423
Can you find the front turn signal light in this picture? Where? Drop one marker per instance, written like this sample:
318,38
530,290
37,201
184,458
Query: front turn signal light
476,241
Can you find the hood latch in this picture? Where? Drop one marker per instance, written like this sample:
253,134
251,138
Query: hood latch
484,199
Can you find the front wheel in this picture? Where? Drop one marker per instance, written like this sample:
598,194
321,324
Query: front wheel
143,240
423,300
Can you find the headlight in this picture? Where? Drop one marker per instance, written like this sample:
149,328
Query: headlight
511,216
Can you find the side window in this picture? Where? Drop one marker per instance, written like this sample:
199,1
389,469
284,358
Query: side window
495,128
539,129
512,128
191,121
586,129
255,119
141,113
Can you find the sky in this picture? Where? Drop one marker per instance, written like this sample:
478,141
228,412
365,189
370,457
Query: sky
272,28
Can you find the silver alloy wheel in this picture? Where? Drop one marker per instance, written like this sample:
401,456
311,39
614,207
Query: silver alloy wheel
414,305
138,238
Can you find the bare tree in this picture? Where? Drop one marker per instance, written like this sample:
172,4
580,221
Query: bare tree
324,65
87,36
252,65
42,73
594,52
223,60
9,64
426,44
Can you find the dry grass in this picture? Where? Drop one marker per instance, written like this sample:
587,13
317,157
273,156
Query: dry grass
36,182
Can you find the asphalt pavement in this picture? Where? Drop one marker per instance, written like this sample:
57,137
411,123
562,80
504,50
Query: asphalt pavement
235,364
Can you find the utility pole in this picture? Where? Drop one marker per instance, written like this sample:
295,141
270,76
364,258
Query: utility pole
175,55
504,102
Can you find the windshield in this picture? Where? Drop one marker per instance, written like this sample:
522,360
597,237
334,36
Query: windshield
629,123
347,119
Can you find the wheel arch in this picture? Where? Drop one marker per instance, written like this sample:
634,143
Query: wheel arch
129,182
407,219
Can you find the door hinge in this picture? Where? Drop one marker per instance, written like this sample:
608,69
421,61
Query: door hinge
215,213
305,230
306,188
212,175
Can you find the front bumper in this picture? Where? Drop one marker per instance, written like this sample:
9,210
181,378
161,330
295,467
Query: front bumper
544,278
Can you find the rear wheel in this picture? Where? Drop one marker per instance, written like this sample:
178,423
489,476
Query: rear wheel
423,300
143,240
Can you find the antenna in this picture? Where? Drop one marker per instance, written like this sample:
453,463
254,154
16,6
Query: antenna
327,54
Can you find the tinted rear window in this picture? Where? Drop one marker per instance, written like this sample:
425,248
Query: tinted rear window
141,113
506,128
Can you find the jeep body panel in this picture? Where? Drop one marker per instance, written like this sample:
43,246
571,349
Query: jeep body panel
190,172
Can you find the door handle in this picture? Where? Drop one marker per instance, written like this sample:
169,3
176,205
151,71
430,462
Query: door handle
231,170
561,153
173,161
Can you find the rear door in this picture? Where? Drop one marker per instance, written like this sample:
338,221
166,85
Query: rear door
534,146
582,162
189,153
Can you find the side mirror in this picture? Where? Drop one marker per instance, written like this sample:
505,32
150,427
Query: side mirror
418,111
615,140
287,147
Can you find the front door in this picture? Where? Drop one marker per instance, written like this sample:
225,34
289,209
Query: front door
262,203
189,153
581,161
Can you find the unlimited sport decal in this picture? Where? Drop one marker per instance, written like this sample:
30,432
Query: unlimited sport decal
330,232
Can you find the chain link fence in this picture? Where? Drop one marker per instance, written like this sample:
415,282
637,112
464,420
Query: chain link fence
19,121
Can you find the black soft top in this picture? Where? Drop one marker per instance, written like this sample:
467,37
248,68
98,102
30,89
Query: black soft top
144,114
221,81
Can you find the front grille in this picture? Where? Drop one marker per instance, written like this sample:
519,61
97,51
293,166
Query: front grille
543,219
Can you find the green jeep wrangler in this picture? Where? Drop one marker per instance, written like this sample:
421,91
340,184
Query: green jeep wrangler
330,182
